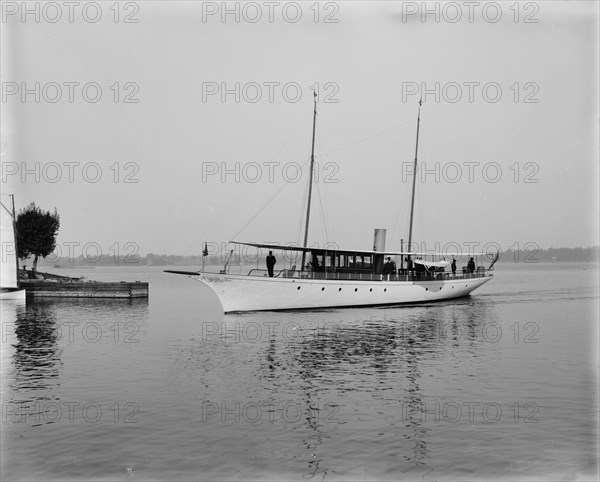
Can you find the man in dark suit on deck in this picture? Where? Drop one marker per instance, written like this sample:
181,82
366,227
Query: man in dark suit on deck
389,267
271,263
471,266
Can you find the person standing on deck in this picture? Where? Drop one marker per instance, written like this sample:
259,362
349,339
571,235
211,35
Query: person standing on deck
386,267
271,263
389,267
453,266
315,262
471,266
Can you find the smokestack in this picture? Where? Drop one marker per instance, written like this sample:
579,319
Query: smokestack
378,245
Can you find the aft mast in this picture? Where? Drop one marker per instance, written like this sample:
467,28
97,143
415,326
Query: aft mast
310,182
412,202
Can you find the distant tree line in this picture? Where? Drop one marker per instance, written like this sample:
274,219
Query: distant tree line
551,255
510,256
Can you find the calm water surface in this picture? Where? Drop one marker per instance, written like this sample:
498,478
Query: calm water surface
499,385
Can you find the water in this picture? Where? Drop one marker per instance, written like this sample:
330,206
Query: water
500,385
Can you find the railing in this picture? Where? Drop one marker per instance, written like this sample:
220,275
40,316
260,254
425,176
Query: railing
406,276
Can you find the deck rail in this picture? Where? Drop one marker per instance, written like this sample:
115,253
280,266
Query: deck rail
407,276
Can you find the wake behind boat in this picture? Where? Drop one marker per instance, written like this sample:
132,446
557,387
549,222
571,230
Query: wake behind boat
335,277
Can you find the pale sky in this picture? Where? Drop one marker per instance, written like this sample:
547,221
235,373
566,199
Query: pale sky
515,164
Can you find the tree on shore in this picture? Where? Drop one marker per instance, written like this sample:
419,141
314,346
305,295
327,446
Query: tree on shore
36,233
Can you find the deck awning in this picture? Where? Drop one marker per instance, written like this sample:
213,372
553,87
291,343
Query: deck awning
289,247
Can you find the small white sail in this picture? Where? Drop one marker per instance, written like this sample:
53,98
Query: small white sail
9,254
432,264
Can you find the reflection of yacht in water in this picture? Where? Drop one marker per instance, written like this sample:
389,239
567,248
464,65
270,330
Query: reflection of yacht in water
342,277
9,271
375,372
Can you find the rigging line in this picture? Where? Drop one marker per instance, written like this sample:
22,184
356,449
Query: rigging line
305,211
329,217
367,138
328,208
420,202
403,212
318,179
7,210
327,221
396,217
322,194
423,202
323,220
403,207
248,186
318,182
423,209
302,211
419,187
285,184
290,138
418,211
217,219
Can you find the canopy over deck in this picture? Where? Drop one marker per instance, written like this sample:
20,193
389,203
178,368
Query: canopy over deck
300,249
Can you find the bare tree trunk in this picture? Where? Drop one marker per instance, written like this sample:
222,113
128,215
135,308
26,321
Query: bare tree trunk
35,260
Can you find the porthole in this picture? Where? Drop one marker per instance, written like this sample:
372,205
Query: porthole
299,287
371,289
340,289
440,287
323,289
355,290
426,289
384,290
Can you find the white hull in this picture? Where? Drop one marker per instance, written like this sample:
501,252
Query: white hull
12,295
245,293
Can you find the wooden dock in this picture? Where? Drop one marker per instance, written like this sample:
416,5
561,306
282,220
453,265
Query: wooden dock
84,289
